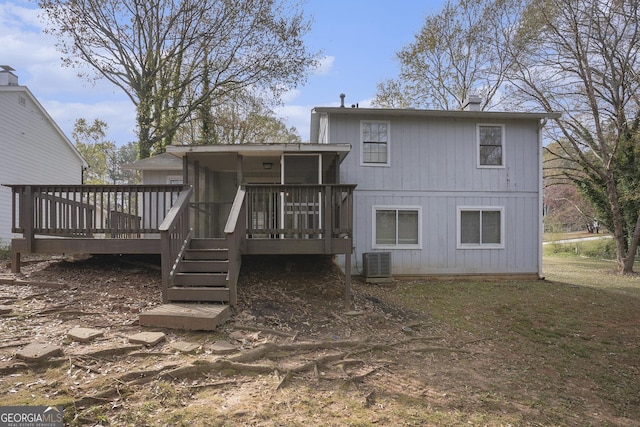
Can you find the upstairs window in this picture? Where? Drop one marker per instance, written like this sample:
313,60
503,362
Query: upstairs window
490,145
375,143
480,227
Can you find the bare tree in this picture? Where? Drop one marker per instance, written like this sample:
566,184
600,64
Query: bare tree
241,119
459,52
170,56
581,58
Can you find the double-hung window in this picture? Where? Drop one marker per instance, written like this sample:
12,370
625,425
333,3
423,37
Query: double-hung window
480,227
397,227
490,145
374,136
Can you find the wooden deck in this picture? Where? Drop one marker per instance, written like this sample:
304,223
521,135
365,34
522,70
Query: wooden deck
263,219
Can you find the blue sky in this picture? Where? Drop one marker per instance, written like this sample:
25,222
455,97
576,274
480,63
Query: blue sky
358,40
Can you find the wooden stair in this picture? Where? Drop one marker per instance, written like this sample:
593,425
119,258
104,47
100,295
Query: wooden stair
202,274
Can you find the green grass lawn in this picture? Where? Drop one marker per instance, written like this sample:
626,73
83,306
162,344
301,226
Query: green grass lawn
564,350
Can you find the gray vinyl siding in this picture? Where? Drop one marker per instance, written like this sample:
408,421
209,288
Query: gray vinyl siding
33,151
434,166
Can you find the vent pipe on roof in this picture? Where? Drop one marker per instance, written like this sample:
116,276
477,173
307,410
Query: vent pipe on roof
342,95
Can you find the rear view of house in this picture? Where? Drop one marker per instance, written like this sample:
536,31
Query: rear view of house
34,149
441,192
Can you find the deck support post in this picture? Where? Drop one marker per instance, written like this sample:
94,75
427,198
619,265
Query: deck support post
26,217
15,261
347,282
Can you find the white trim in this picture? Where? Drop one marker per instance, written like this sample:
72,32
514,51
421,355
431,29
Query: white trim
504,138
396,208
480,245
361,145
541,124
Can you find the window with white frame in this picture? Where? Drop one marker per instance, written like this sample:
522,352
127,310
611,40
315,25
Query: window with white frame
480,227
490,145
397,227
375,143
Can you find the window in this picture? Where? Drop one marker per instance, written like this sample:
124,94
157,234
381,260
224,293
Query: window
480,227
375,143
490,145
397,227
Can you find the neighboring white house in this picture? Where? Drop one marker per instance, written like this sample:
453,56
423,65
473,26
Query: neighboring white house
444,192
33,148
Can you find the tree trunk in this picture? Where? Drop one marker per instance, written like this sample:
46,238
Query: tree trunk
633,247
618,222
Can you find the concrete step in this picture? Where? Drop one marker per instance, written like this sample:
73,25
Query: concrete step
200,279
203,266
199,317
198,294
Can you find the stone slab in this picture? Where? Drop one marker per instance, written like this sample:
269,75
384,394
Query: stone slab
36,352
149,339
52,285
5,309
184,346
195,317
223,347
84,334
7,279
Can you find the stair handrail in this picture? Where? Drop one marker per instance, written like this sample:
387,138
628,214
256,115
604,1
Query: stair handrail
235,231
175,234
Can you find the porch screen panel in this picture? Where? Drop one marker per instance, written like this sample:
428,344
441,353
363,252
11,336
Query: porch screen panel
301,169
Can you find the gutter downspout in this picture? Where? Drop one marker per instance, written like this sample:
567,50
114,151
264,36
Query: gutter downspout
541,124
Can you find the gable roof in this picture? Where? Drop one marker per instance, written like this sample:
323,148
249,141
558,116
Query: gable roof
164,161
25,90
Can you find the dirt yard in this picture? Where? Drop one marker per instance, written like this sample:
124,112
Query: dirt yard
409,353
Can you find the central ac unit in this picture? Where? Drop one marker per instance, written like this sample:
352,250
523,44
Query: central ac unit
376,264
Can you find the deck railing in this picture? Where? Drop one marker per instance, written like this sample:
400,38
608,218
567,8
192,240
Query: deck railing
299,211
175,234
235,231
112,211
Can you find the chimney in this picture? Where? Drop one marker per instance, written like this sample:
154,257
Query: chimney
342,95
7,78
472,103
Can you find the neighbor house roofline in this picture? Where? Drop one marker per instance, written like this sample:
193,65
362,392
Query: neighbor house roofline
25,90
164,161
